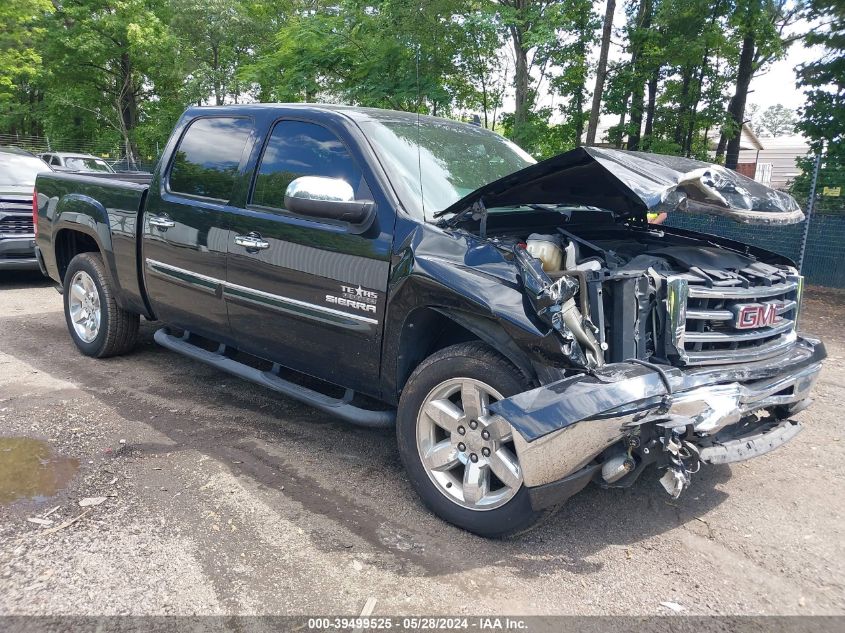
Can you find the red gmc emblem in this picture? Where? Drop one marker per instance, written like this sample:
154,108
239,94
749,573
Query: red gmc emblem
754,315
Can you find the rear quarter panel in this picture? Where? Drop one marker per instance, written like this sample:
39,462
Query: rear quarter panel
108,211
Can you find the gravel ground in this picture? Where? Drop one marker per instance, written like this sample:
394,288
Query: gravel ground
223,498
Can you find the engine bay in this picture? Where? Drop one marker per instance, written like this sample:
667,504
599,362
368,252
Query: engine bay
622,277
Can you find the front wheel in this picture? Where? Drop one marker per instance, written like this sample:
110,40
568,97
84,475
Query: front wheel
460,457
97,325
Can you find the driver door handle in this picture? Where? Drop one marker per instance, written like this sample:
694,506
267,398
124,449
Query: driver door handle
162,222
252,242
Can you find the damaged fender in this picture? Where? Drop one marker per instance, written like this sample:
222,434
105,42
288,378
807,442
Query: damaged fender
476,284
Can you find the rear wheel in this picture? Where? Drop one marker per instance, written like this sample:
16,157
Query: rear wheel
96,324
459,456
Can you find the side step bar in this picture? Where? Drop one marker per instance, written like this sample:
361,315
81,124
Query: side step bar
340,407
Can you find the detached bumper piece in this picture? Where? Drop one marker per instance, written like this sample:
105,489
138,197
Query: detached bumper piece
729,451
608,426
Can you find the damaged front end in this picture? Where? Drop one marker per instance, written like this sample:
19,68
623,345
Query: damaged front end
555,304
676,349
608,425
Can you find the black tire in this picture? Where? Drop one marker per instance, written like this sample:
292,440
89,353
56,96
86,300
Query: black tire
477,361
118,331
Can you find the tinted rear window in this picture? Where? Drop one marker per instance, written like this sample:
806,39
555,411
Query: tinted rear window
207,158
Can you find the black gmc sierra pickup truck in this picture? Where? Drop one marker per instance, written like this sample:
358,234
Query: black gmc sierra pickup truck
522,325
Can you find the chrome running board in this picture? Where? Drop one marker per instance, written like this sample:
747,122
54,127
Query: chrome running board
340,407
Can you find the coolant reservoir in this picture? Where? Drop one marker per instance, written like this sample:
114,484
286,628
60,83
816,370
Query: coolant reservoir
547,249
570,256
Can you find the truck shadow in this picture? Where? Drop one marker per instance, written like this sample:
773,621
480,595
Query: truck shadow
250,430
19,279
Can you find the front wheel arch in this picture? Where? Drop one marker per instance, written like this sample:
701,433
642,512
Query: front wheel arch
430,329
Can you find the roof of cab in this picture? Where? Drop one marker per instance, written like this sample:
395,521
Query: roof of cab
355,113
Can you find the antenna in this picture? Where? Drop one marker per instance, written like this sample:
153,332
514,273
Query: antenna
419,99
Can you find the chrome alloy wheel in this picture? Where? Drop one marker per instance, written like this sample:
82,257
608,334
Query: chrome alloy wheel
84,305
467,451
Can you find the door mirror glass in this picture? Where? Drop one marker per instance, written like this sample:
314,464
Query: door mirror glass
327,198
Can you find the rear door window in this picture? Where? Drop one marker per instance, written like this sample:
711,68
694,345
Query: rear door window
298,148
207,158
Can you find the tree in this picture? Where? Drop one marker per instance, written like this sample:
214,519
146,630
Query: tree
601,72
105,63
823,116
676,53
640,71
776,120
532,27
399,55
478,84
762,25
214,34
21,36
578,23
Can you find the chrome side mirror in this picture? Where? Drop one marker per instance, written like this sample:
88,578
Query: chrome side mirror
326,198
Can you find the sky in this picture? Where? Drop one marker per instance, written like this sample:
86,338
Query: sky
778,84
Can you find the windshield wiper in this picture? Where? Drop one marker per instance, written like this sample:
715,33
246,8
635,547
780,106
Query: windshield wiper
477,211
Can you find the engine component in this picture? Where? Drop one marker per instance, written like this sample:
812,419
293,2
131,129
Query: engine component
591,264
547,249
617,467
674,480
570,255
683,461
581,329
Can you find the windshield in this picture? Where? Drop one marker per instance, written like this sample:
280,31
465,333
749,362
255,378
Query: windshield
19,171
86,164
454,159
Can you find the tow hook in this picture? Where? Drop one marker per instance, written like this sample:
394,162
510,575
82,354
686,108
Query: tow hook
683,461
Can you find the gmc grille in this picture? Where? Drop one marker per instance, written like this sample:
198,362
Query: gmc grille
16,204
16,225
711,334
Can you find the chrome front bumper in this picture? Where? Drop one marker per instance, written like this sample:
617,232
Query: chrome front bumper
562,427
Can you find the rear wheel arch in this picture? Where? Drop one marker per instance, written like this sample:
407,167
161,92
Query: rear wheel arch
70,242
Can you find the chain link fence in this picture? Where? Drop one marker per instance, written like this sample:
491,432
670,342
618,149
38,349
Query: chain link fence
110,152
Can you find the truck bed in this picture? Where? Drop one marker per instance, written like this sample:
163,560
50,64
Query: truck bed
138,177
108,209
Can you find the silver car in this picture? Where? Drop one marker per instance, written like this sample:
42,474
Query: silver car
68,161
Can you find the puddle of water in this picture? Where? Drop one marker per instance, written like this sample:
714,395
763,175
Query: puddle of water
30,470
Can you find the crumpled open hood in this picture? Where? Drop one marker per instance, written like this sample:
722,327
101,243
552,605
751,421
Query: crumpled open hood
632,184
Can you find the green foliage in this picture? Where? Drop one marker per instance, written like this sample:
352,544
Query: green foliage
117,73
20,35
823,118
399,55
106,62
